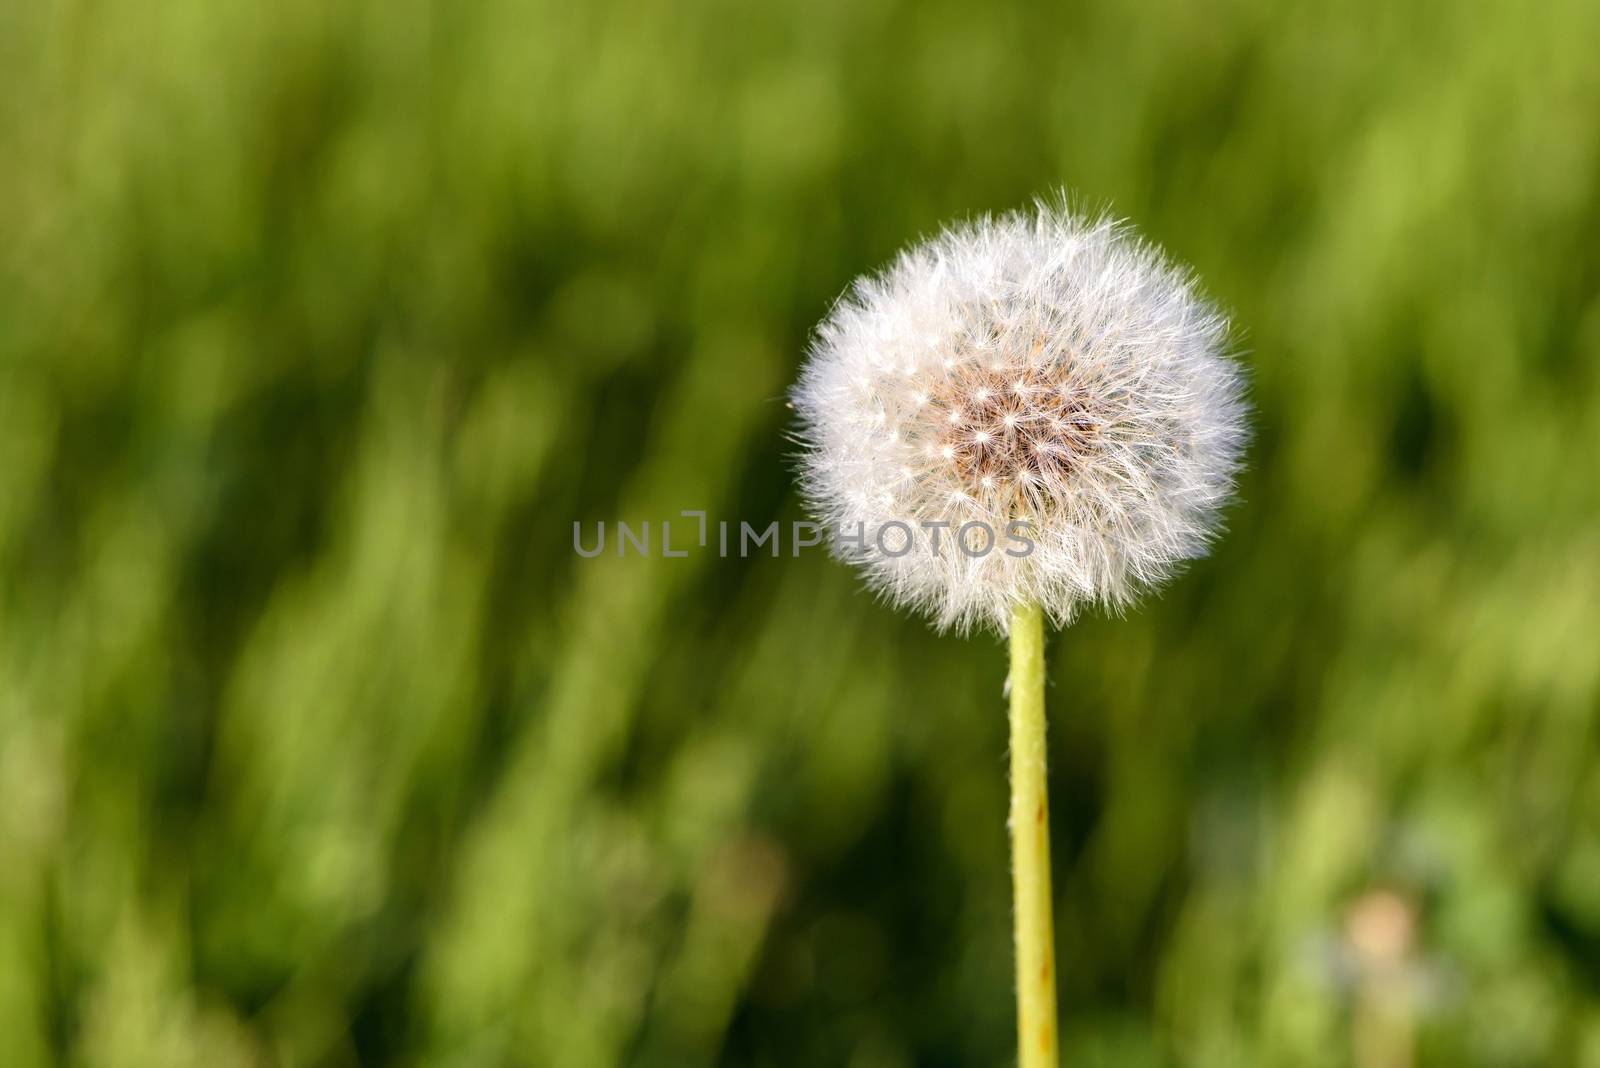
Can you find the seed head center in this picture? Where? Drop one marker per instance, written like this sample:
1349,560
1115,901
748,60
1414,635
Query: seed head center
1005,427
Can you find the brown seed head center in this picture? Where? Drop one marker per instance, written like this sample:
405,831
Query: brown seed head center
1011,428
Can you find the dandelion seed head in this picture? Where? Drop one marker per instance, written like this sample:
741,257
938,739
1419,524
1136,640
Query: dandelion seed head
1053,370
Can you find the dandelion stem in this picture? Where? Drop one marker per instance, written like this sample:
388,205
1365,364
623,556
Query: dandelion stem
1030,846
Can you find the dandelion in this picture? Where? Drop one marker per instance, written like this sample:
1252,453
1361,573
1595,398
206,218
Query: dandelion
1054,387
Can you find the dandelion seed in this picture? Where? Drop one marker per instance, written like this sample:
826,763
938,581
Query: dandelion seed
1123,412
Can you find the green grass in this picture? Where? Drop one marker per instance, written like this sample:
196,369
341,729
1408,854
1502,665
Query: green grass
321,324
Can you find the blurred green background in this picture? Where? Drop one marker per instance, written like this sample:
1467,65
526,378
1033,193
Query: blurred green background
320,324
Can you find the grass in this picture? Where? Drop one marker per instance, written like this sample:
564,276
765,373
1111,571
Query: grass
319,325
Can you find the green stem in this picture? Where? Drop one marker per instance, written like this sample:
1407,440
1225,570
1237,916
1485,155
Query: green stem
1030,846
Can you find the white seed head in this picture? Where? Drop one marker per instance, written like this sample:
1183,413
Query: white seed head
1046,369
